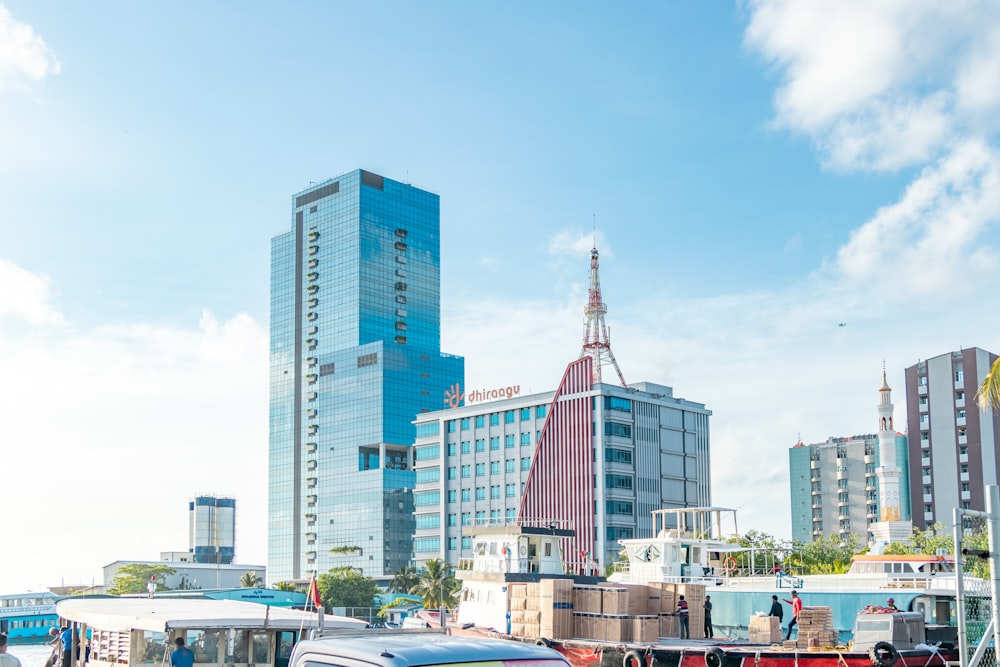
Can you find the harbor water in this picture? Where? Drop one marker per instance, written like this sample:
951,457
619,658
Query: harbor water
30,655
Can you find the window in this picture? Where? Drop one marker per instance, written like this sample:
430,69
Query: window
466,471
614,455
525,463
621,430
618,482
427,452
452,520
424,498
618,507
525,439
451,449
480,495
466,495
617,403
509,465
466,518
428,520
495,492
428,475
495,419
428,429
480,469
525,414
508,417
510,490
452,543
451,496
452,473
480,421
466,447
481,516
480,445
466,542
368,360
465,424
450,426
424,544
494,467
540,412
494,443
511,515
508,441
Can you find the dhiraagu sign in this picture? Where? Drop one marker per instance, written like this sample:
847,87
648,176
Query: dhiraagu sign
453,395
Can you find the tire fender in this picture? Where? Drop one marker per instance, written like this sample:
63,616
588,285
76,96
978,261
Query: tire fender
633,659
883,654
715,657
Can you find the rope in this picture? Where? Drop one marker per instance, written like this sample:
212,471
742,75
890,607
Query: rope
841,660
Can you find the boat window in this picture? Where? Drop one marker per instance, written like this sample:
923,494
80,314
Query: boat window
260,648
493,548
548,550
155,647
237,645
205,644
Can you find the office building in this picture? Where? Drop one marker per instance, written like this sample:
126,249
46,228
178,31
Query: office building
596,456
212,529
355,357
851,485
953,445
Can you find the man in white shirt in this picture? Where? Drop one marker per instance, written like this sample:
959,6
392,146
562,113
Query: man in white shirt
6,659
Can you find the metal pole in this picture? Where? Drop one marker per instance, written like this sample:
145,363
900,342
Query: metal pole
963,648
992,507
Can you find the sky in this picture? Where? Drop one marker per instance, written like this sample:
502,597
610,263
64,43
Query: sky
754,175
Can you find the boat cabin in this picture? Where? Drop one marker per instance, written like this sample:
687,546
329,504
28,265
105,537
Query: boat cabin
517,549
917,566
123,632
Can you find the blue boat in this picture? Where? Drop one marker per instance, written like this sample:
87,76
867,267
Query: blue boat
26,617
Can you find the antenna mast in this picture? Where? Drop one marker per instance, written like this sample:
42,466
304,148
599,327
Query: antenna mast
596,340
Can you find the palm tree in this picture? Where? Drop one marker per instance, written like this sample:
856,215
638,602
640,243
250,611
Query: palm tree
284,586
989,391
404,580
250,580
437,585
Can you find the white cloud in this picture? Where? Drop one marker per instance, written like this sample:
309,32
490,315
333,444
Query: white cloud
26,296
575,243
113,430
880,85
932,239
23,53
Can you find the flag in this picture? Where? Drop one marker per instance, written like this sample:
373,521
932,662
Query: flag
314,593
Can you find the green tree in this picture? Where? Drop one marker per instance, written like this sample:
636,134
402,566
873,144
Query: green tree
829,556
404,580
134,577
766,550
284,586
989,391
401,601
438,585
932,539
250,579
347,587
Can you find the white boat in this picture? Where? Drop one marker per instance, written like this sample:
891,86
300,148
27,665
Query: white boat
27,617
699,545
131,631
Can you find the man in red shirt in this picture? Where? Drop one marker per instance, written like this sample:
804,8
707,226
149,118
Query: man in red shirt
796,603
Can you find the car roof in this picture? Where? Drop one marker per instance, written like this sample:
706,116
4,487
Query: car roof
414,648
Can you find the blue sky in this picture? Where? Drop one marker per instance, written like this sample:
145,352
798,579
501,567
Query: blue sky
759,172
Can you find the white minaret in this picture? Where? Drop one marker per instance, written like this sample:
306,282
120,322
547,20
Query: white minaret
889,528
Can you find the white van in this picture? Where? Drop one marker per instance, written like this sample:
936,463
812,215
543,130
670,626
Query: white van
386,648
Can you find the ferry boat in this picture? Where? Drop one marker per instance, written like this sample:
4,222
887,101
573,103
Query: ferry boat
509,558
127,632
700,545
27,617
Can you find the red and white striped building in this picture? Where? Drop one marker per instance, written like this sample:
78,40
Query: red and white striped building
597,457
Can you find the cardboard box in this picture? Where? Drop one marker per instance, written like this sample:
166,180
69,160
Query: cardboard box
518,604
669,626
516,617
587,599
532,616
531,631
556,613
534,589
533,603
645,628
617,628
585,625
614,601
518,590
517,629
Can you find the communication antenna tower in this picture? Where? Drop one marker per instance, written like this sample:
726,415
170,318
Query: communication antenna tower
596,339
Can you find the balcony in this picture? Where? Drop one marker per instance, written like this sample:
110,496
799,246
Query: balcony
960,384
922,389
960,402
926,479
813,465
963,476
925,461
928,498
960,421
966,495
929,516
963,458
963,439
842,472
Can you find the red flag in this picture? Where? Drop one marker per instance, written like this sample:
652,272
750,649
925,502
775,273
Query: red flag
314,593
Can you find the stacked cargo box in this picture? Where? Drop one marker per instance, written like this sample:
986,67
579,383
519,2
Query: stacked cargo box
556,613
765,630
815,625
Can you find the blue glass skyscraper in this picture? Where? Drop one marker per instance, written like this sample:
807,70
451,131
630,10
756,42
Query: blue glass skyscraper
355,356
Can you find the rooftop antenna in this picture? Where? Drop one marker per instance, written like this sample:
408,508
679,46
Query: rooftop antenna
596,339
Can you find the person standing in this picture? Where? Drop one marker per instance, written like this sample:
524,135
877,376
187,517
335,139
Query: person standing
796,603
182,656
66,643
682,615
6,659
708,617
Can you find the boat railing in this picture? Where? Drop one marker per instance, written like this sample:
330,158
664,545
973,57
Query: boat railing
842,582
552,524
523,566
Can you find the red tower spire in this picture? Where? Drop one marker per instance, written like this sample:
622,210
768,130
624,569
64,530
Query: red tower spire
596,340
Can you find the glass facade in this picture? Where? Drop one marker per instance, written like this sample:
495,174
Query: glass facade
355,357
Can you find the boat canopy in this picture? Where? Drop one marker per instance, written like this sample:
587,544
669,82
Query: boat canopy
163,615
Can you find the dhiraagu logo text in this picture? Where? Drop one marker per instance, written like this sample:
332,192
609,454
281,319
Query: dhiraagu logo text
453,395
